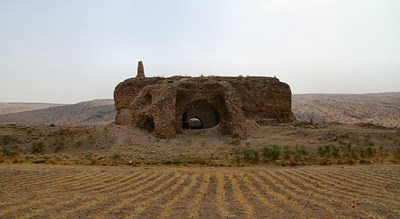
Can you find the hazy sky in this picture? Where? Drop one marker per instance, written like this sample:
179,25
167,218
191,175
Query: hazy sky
67,51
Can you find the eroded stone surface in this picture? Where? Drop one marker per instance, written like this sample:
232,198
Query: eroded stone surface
165,105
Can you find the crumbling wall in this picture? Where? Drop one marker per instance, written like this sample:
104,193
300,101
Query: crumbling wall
263,97
160,104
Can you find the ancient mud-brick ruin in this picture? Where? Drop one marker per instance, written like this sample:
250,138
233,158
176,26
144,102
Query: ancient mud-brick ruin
169,105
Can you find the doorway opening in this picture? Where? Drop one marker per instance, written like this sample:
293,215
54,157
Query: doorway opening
200,115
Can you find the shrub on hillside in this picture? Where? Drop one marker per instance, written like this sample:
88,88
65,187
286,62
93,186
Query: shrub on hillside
271,153
37,147
251,156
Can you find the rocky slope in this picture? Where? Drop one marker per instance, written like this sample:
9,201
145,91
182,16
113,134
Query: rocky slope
7,108
89,112
379,109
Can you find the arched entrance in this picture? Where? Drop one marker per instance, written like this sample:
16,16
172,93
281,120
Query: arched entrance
201,114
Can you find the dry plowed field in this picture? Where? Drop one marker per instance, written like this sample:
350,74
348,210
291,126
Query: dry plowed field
50,191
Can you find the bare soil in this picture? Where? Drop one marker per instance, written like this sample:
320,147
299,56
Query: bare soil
111,171
54,191
298,144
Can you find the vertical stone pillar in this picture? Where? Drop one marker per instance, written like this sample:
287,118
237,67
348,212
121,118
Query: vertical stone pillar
140,70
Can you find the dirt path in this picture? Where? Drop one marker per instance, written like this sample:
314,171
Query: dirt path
49,191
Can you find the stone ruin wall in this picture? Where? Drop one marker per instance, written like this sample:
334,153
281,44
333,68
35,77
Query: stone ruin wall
161,104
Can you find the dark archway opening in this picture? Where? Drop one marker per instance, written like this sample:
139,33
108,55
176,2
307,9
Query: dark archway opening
149,124
200,115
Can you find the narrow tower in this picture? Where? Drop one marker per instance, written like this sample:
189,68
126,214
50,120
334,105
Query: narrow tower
140,70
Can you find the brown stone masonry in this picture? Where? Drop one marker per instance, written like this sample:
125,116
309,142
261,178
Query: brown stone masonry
169,105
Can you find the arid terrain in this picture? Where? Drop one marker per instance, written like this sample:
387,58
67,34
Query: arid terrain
72,162
88,112
379,109
9,108
46,191
285,144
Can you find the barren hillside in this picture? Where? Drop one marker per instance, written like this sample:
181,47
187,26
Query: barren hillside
380,109
89,112
7,108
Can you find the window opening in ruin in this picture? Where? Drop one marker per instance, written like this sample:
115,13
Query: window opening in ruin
149,124
200,115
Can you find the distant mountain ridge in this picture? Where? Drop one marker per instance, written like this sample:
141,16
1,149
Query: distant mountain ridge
16,107
377,108
88,112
